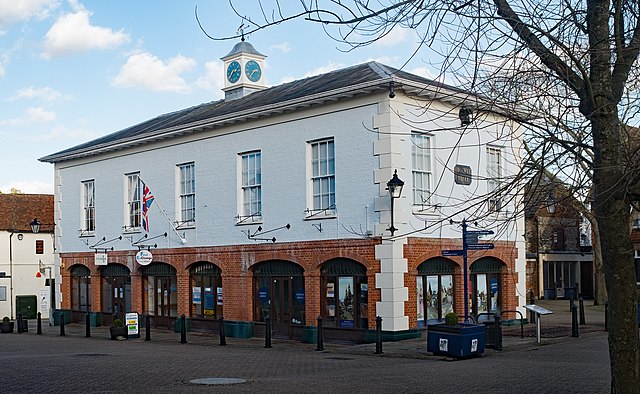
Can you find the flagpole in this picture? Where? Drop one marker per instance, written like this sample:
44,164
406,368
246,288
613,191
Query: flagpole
182,239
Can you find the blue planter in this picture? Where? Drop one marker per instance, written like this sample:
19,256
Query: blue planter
461,340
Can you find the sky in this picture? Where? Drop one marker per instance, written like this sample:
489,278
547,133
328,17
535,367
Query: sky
74,70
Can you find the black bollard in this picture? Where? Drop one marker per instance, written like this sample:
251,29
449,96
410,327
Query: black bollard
19,321
570,300
183,329
87,326
39,324
581,301
606,315
267,332
378,335
61,321
574,321
498,345
147,328
532,300
319,339
223,338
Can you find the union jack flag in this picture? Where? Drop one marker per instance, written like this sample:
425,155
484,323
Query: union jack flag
147,200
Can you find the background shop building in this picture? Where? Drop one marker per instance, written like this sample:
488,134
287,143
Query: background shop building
274,201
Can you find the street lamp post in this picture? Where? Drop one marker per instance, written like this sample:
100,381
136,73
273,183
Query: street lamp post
394,186
35,228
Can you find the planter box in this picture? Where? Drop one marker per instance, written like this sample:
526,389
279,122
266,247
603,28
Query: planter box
116,332
6,328
461,340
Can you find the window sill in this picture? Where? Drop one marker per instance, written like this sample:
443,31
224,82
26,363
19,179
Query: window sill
87,234
249,222
322,217
426,212
132,231
186,226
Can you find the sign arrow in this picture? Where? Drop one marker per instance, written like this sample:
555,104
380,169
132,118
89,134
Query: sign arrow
480,232
486,246
453,252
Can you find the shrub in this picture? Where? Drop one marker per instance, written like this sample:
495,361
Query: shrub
5,319
451,318
117,323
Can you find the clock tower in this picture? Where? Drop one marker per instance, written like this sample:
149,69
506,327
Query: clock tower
242,71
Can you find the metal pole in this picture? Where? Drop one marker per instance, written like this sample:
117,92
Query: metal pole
39,324
267,332
574,321
223,338
87,325
378,335
465,275
498,345
319,339
147,328
532,301
582,322
538,328
183,329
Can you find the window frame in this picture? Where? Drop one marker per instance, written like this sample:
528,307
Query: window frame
131,225
494,178
186,196
427,159
88,223
317,207
250,209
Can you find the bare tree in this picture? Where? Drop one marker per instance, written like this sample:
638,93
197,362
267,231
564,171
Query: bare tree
570,65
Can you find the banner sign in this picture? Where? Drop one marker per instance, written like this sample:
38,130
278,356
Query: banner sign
101,258
144,257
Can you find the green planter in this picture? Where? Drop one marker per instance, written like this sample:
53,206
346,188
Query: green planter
64,314
309,334
238,329
177,327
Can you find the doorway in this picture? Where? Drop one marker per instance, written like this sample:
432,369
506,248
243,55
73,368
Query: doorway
281,307
165,301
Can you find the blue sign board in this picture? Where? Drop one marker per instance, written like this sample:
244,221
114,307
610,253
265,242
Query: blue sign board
493,284
300,296
486,246
453,252
263,294
480,232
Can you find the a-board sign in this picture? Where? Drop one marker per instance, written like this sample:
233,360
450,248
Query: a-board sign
538,309
132,323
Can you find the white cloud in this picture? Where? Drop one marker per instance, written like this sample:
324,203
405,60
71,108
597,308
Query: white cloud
30,187
396,36
74,33
148,71
1,70
331,66
45,94
284,47
14,11
73,136
213,77
32,115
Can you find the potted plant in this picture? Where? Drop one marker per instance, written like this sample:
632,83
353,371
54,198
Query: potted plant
6,327
118,330
455,339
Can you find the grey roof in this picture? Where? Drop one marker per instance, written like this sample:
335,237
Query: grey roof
346,82
245,47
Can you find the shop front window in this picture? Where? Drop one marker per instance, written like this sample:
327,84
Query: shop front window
435,291
485,287
206,291
80,288
116,290
344,294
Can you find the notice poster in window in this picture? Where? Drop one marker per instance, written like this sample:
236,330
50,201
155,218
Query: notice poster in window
208,301
332,310
330,290
420,291
219,295
196,295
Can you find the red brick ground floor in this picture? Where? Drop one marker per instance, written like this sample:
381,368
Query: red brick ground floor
291,283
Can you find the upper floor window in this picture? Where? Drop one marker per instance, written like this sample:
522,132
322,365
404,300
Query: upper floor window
494,176
88,207
421,168
323,179
133,220
251,209
187,173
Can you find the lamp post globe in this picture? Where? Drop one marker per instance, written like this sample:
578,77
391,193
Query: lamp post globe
394,186
35,226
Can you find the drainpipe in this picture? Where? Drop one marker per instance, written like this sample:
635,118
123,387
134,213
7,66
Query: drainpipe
11,270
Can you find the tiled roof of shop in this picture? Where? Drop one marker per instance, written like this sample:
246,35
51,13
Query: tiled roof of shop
297,90
17,211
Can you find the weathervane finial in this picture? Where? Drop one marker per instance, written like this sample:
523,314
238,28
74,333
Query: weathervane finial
241,31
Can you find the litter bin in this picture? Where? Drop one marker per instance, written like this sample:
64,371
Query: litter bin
491,330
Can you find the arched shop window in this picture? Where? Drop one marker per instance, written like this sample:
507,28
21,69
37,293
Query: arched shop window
435,289
206,291
278,291
160,293
116,289
80,288
344,294
485,286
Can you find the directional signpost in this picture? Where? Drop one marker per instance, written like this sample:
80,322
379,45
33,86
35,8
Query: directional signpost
469,242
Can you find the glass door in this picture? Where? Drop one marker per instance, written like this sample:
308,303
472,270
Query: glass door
164,301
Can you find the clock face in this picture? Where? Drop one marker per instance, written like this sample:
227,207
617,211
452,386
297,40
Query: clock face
252,70
234,71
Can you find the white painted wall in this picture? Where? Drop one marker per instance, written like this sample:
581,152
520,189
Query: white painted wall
23,268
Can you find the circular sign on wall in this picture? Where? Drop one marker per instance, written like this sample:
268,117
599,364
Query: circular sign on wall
144,257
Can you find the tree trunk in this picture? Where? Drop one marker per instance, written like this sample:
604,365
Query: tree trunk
612,214
600,289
